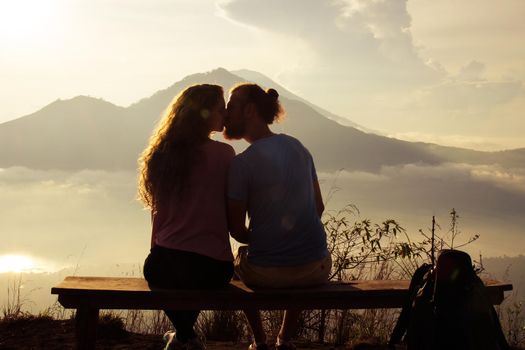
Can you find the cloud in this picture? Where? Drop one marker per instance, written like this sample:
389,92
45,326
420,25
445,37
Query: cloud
473,71
466,105
489,200
414,187
90,214
360,40
93,215
511,180
359,59
482,143
468,91
92,178
351,175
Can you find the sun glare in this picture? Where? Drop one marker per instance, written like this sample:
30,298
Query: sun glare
25,21
16,263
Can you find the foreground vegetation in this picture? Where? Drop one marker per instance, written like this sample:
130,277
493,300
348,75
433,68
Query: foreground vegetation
360,250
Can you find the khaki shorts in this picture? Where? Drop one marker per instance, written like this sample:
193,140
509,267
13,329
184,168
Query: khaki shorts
308,275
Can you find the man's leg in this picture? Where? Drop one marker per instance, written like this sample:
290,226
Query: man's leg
289,325
253,316
254,320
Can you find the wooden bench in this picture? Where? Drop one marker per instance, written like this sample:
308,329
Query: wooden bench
90,294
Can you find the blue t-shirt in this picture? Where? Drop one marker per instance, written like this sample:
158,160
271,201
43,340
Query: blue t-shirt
275,176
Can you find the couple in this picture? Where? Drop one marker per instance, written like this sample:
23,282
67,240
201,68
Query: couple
199,192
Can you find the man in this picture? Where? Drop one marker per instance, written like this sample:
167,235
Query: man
274,182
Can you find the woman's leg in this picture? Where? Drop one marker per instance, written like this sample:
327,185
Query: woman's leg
165,269
183,322
169,268
254,320
200,272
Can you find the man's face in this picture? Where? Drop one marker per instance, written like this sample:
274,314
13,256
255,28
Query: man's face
235,121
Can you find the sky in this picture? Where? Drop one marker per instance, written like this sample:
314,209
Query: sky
449,72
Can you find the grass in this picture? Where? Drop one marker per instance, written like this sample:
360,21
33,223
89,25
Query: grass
360,250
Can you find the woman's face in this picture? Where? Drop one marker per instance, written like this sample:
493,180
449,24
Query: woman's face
216,118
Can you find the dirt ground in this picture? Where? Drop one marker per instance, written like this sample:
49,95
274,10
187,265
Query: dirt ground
49,334
46,333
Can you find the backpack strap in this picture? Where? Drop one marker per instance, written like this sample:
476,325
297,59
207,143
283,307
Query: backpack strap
418,279
500,336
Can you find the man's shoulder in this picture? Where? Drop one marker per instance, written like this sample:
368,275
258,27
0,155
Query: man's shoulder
247,158
290,139
283,139
240,159
275,140
293,143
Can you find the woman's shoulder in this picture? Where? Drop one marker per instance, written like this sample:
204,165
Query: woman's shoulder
220,147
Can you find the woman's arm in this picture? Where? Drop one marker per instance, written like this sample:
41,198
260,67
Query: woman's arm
152,232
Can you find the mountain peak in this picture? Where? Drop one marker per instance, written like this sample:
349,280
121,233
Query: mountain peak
215,76
82,100
219,70
219,76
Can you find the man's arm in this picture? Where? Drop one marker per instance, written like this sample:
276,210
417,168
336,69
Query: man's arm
237,219
318,198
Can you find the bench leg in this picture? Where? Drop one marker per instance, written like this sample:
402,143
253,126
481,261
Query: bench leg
497,297
86,320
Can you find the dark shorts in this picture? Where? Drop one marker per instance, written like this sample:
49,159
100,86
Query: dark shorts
170,268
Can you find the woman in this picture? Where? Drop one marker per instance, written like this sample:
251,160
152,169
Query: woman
182,180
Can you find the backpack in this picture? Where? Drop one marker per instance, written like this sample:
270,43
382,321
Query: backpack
448,308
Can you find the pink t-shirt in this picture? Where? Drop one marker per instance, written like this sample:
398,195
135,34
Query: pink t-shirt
196,221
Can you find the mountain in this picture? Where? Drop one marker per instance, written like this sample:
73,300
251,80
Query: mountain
89,133
263,80
70,134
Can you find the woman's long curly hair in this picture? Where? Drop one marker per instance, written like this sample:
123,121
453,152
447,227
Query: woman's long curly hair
166,162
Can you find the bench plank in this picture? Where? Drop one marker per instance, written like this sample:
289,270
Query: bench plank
134,293
90,294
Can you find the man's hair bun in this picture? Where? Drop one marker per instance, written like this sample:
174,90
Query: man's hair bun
273,93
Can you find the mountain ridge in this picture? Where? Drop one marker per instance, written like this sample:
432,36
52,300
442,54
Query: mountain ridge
91,133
